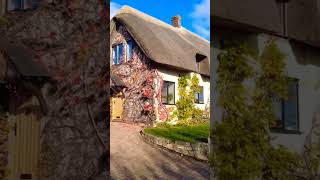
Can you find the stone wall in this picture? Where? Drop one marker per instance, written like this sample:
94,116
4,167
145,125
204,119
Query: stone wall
134,76
121,35
70,39
143,82
4,131
197,150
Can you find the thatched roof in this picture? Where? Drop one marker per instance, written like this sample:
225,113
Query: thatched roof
303,21
22,59
263,14
163,43
303,17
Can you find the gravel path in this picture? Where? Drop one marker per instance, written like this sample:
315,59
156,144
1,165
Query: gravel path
132,158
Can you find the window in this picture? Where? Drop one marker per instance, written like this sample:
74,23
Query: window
117,54
286,111
199,96
14,4
22,4
199,58
130,50
168,93
35,3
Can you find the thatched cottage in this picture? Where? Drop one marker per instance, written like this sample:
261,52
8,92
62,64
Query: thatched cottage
147,58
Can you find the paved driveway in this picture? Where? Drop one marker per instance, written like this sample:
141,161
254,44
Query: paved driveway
132,158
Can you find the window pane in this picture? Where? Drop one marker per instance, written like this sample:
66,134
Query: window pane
201,95
164,93
17,4
130,47
35,3
114,55
291,107
196,97
170,93
120,48
277,110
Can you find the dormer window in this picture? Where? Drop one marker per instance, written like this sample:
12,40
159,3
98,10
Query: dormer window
117,54
130,46
199,58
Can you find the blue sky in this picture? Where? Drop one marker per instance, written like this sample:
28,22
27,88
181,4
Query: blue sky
195,13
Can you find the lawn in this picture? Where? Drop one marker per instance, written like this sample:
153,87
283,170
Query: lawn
198,133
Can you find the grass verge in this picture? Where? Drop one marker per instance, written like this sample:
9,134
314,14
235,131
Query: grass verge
199,133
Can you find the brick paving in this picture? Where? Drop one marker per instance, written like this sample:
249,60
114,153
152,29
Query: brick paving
132,158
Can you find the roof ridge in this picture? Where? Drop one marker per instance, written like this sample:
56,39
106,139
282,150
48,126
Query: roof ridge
196,35
129,9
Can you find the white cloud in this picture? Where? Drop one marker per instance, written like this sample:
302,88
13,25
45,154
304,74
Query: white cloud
203,31
114,8
201,18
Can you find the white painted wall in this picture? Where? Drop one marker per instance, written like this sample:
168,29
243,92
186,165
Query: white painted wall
304,66
303,63
172,75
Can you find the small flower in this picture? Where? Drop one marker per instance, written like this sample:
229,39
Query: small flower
147,107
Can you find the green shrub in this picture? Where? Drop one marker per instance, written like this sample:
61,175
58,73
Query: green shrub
242,146
186,112
191,122
163,125
3,20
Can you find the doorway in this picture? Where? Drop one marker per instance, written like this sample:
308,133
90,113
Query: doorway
117,108
24,143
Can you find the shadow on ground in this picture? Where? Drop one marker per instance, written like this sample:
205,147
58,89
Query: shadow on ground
132,158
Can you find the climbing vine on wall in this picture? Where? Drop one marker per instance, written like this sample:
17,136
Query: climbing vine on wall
242,143
70,43
186,112
4,133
